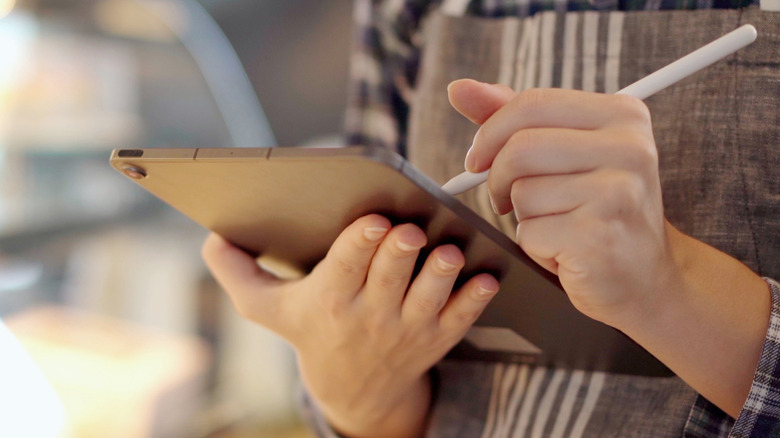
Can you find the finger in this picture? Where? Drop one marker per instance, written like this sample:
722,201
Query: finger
432,287
573,245
467,304
254,292
346,265
548,195
547,263
477,101
546,237
392,268
555,151
551,108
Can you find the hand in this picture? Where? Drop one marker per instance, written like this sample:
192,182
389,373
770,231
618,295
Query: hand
580,172
364,335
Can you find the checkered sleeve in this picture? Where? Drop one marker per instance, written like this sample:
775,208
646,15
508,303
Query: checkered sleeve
760,416
383,66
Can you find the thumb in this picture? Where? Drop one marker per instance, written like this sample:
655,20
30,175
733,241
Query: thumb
477,101
254,292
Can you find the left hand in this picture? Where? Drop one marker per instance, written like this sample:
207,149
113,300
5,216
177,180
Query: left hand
580,172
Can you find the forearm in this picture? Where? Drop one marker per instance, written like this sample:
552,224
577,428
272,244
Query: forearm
709,324
384,415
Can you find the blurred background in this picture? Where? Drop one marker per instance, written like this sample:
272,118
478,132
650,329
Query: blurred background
111,325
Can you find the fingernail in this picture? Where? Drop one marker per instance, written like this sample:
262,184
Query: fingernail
406,247
493,204
471,160
374,234
446,266
482,291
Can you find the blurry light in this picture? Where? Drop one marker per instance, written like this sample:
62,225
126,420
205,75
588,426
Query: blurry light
132,19
19,275
29,405
18,32
6,6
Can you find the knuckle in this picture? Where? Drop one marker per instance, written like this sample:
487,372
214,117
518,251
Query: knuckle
330,306
648,154
428,304
581,269
346,267
534,99
621,198
248,312
386,280
522,142
467,317
641,152
439,343
633,193
633,107
239,303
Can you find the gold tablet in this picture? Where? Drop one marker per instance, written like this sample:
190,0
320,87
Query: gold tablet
288,205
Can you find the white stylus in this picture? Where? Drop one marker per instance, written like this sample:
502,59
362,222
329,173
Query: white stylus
647,86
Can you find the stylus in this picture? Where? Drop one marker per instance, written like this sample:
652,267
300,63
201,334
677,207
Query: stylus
647,86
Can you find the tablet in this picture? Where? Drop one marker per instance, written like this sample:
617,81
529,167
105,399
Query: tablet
287,206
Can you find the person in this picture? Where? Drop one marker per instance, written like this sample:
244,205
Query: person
664,228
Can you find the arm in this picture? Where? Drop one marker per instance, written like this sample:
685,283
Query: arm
365,335
585,189
709,326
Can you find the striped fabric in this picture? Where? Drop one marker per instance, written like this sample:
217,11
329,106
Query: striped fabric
393,105
386,53
519,402
530,59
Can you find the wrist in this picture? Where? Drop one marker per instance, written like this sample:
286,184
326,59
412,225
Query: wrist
402,413
707,321
661,291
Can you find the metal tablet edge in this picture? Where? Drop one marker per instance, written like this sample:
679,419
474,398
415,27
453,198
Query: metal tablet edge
380,155
475,219
120,157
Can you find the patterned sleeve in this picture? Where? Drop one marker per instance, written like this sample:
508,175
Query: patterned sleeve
383,67
760,416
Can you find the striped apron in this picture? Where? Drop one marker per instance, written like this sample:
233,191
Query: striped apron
718,135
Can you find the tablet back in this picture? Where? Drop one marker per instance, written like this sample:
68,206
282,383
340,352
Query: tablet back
289,204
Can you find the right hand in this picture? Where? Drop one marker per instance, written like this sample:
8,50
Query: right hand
366,336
